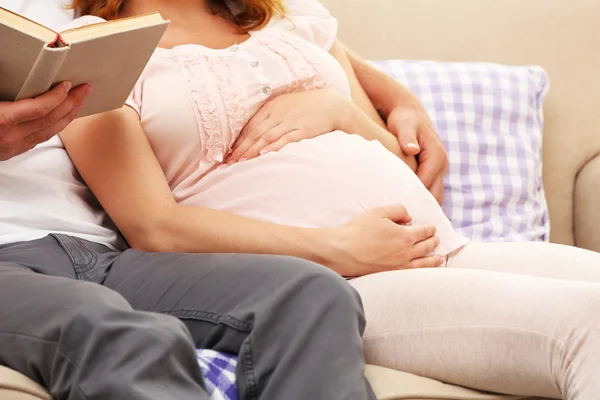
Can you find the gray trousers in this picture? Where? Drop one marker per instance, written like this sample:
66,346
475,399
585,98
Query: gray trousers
90,323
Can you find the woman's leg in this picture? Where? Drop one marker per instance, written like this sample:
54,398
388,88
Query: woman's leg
492,331
530,258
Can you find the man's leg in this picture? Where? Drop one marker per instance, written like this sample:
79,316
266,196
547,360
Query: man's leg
83,341
296,326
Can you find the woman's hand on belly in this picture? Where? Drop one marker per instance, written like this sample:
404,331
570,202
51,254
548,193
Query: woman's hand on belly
376,242
295,116
290,118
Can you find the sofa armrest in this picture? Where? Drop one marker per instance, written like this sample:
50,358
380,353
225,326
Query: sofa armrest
14,386
395,385
587,206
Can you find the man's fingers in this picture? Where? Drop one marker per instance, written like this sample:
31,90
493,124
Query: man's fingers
46,134
421,232
74,100
426,262
396,213
32,109
406,127
408,141
437,189
428,170
424,248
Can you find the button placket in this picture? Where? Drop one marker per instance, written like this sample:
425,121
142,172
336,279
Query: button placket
262,82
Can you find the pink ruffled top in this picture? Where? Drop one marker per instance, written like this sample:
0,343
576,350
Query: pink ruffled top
194,101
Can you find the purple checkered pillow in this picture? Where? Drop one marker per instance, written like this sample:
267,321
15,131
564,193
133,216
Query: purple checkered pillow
490,118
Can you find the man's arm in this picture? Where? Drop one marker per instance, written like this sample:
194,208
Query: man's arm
405,117
113,155
26,123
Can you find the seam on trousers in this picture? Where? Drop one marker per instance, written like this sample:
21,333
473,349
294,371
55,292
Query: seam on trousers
253,390
10,266
57,351
68,253
80,269
215,318
88,267
245,350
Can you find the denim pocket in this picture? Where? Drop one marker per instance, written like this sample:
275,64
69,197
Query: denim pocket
82,258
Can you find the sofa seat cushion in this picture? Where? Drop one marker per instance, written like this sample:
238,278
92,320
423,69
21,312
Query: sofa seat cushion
395,385
387,384
14,386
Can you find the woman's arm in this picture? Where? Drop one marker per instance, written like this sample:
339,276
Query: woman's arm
364,119
113,156
407,119
359,95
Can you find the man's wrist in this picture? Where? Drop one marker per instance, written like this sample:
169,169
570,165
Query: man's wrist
324,246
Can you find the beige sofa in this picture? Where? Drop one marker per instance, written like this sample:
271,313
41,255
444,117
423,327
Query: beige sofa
562,36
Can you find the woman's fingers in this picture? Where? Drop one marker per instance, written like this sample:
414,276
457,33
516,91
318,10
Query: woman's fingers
292,137
252,133
268,137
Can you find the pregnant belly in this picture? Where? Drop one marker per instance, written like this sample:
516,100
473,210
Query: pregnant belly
322,182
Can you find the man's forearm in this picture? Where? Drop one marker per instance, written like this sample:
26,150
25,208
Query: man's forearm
190,229
384,91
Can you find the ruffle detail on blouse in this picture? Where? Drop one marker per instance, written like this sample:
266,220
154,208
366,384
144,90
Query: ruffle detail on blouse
236,114
206,111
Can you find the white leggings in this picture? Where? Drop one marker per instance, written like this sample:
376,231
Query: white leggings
514,318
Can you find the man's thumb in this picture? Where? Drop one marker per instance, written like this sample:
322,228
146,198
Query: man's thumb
396,213
408,142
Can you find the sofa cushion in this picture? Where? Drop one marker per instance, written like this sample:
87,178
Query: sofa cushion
394,385
14,386
489,116
387,384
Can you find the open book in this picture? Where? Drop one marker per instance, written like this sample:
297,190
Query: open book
110,56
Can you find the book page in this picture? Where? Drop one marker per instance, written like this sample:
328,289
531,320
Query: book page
111,63
27,26
111,27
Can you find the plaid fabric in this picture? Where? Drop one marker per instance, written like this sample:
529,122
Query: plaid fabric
490,119
219,374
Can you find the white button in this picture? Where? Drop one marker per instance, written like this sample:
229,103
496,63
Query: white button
267,90
233,49
254,64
